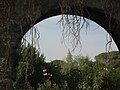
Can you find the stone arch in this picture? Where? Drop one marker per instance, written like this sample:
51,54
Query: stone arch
94,13
18,17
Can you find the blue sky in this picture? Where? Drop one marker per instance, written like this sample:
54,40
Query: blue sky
93,41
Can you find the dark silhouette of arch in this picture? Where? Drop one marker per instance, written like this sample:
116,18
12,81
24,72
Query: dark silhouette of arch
17,17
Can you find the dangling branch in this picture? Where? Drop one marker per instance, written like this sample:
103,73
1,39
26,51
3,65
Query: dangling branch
72,24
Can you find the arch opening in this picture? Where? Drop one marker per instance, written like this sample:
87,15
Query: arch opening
50,30
55,65
92,15
21,16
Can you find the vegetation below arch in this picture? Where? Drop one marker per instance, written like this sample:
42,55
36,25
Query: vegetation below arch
78,73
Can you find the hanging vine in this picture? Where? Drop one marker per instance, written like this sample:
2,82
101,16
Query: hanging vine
71,23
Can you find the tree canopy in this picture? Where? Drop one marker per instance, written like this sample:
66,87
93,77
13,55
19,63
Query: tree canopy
78,73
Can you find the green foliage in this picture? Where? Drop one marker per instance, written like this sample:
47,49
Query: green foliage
48,86
30,68
77,73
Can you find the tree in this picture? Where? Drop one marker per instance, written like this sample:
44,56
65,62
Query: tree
75,74
69,57
111,58
111,70
30,68
53,72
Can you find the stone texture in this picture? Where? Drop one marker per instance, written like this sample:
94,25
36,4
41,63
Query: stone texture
16,18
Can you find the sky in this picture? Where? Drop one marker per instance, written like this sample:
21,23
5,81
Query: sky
93,40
